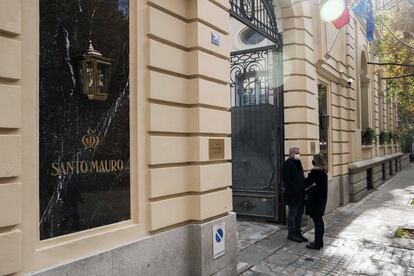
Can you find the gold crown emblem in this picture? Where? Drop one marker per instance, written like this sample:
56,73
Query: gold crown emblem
90,140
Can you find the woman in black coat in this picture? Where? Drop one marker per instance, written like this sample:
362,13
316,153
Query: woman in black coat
316,187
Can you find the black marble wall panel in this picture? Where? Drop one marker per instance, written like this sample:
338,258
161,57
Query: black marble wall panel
82,187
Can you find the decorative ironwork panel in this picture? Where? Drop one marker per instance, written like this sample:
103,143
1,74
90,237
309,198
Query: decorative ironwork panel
259,15
252,77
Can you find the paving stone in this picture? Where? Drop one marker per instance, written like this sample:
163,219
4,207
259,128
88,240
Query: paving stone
242,267
359,238
253,254
283,259
274,241
252,231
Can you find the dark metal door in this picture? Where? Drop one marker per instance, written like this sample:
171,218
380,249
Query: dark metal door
257,131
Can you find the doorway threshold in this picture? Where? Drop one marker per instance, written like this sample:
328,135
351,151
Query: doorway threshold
257,241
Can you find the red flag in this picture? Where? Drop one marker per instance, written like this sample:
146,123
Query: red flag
344,18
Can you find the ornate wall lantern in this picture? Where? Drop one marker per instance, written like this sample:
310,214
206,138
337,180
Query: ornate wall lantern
95,74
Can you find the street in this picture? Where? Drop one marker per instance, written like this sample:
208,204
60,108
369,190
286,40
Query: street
359,239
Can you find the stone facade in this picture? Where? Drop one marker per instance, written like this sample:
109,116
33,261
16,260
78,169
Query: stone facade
377,177
405,160
358,186
178,102
316,53
186,250
179,83
371,173
11,91
386,170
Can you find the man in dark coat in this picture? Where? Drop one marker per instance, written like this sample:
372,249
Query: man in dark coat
294,185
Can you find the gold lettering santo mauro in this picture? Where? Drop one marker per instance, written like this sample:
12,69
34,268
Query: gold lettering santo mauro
90,140
84,167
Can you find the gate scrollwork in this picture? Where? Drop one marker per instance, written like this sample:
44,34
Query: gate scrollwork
258,15
247,9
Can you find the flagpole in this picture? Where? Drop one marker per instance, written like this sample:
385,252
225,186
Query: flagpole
333,43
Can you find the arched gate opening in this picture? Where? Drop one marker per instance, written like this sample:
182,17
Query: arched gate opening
256,91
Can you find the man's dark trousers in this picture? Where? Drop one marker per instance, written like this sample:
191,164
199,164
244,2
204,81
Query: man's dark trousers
295,218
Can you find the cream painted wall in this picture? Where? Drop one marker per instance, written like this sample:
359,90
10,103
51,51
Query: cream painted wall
315,52
178,102
187,108
10,136
300,83
347,112
38,254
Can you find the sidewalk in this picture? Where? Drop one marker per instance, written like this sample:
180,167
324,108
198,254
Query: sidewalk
359,238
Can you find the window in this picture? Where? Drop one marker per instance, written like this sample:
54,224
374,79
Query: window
365,92
381,104
250,37
323,120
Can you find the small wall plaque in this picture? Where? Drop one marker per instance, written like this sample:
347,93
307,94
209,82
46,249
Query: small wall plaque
219,242
313,147
216,148
215,39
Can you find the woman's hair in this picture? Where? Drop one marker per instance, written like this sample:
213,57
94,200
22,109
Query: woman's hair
320,161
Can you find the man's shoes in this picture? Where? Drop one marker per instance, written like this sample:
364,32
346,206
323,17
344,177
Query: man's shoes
300,236
313,245
294,238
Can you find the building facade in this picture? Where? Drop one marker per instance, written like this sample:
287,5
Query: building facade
131,161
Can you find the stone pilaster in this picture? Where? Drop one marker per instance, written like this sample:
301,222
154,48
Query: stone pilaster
300,85
11,56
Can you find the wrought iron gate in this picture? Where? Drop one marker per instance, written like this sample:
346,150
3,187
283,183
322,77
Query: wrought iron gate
259,15
257,115
257,138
